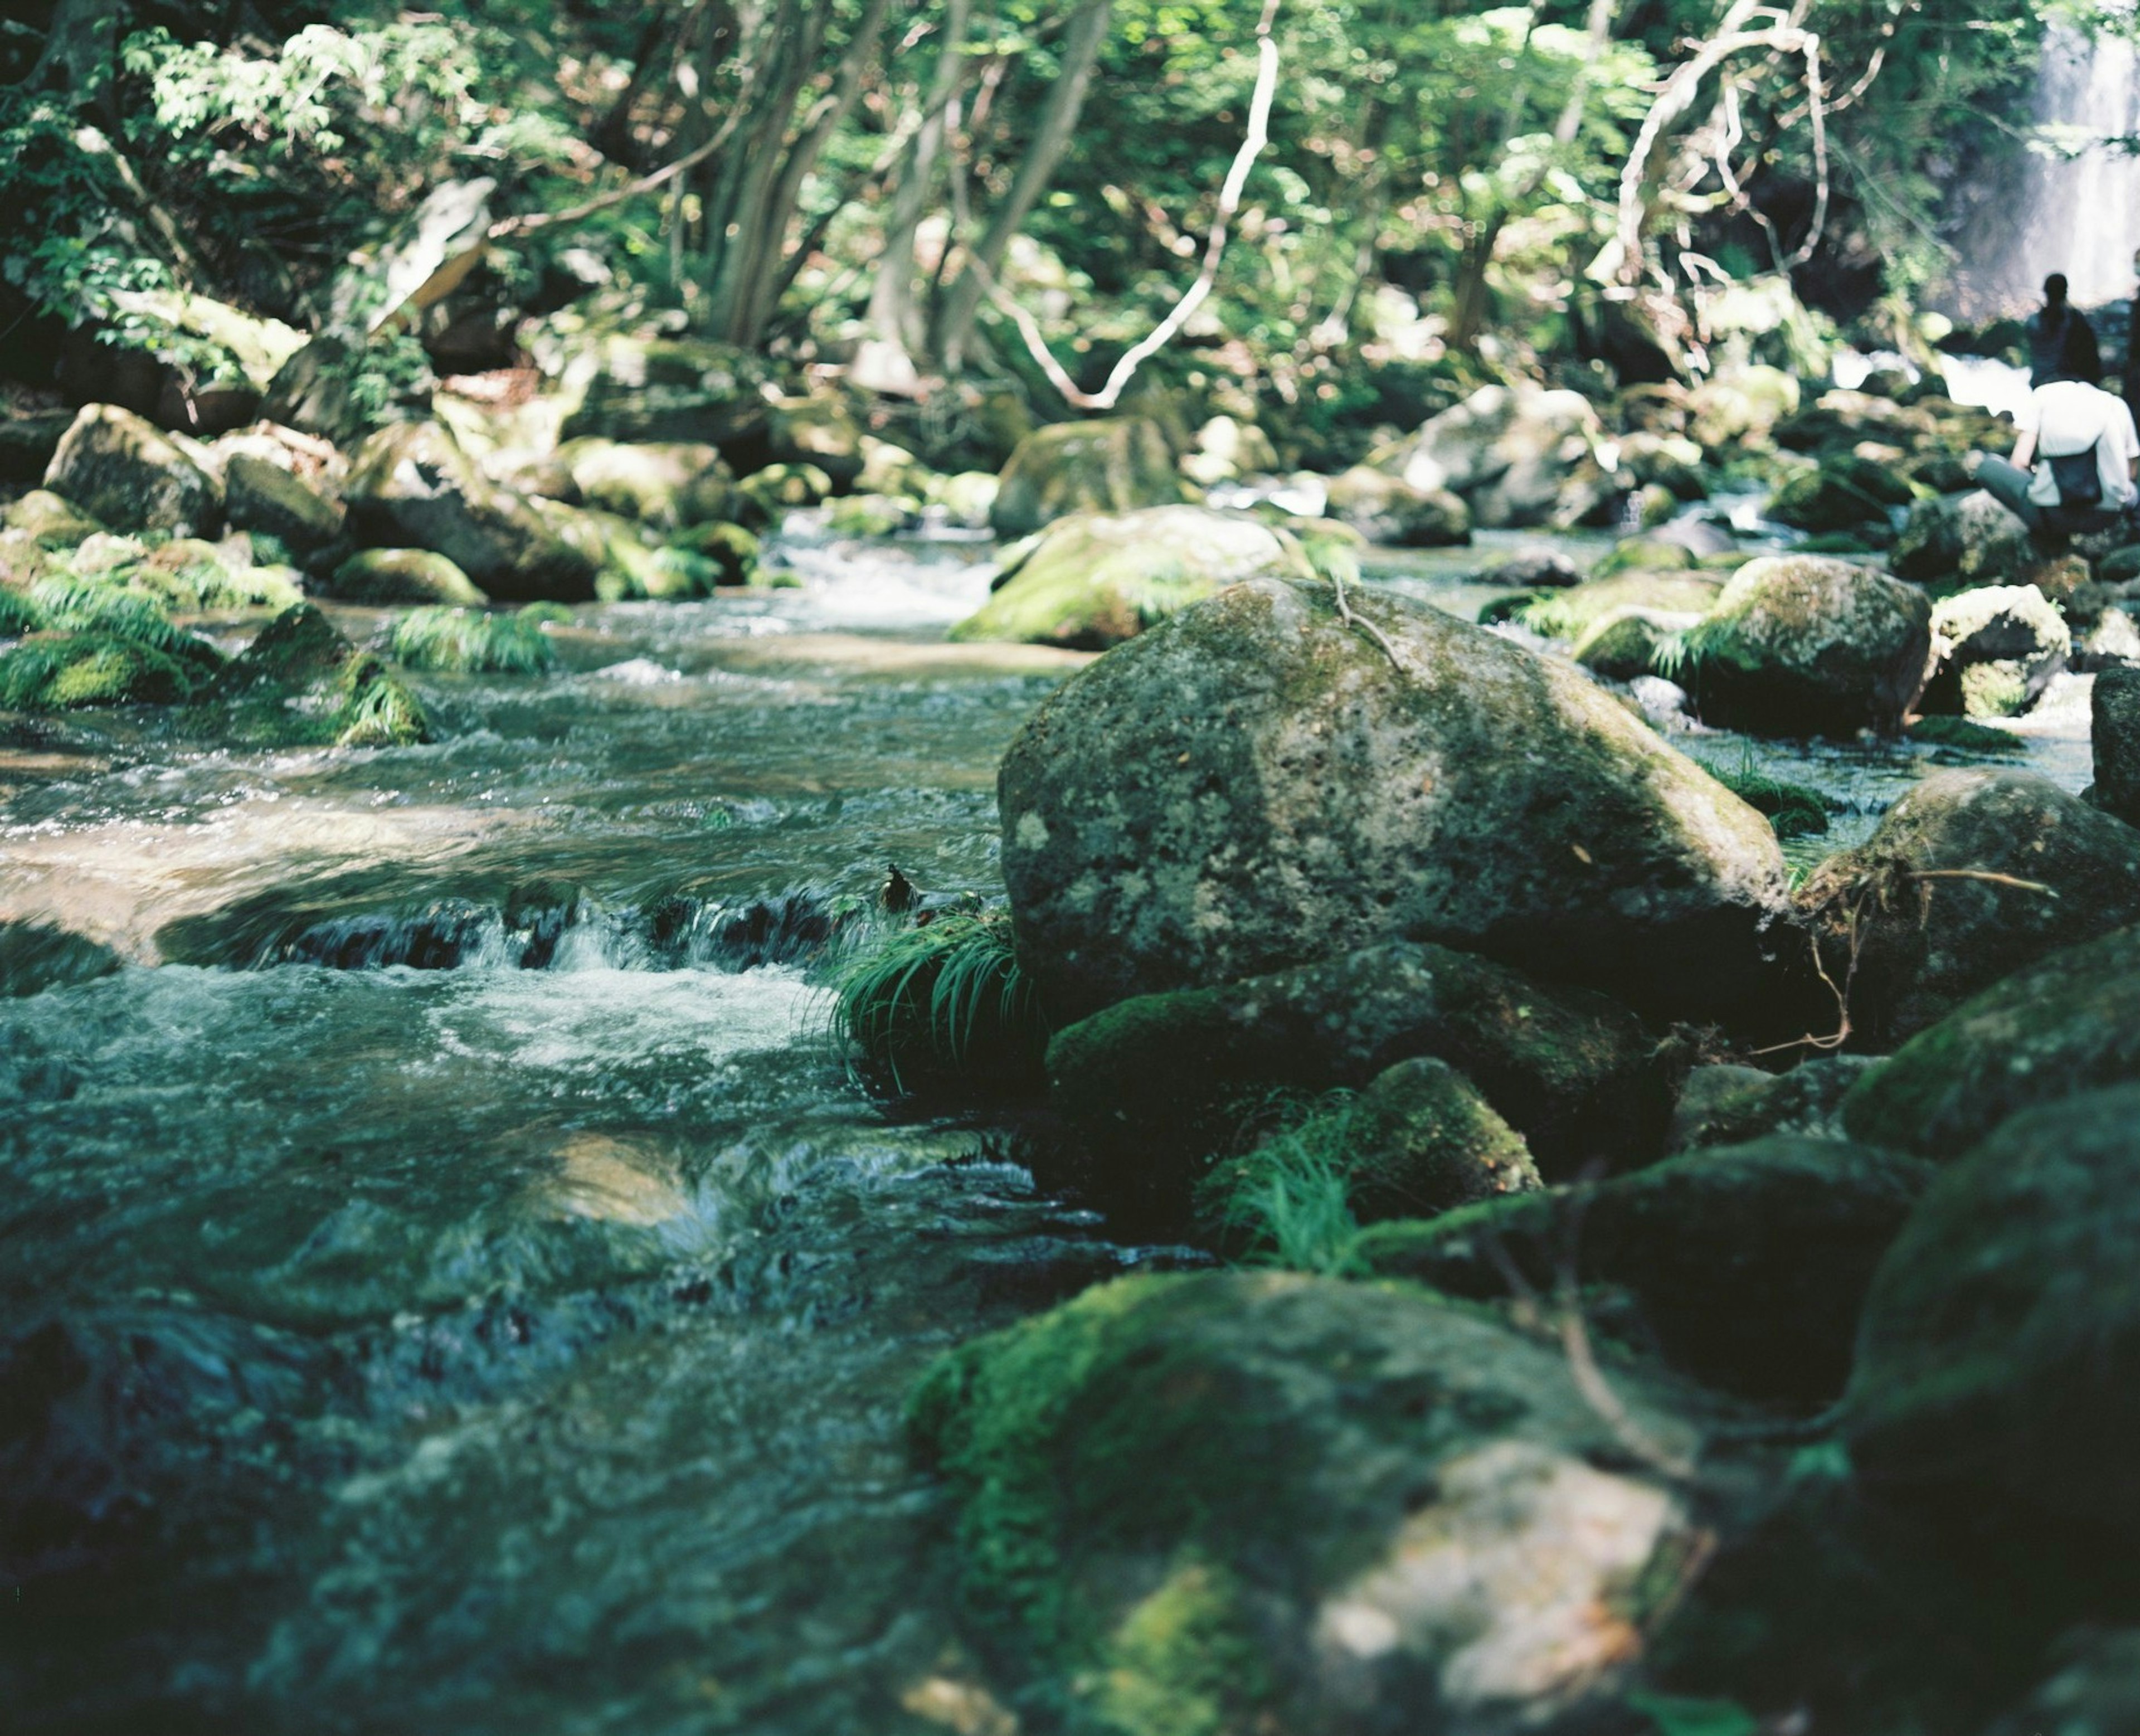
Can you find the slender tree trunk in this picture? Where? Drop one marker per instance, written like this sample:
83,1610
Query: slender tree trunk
82,39
895,317
960,307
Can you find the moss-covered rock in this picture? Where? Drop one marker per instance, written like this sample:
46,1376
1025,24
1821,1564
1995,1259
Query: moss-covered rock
730,552
1804,645
2114,738
1516,454
1093,580
1629,642
1738,405
1750,1263
73,670
2068,1022
263,497
122,472
1728,1105
401,575
663,389
1572,613
1254,784
872,515
665,485
1115,465
53,522
1959,541
818,428
965,499
2000,1354
1226,1501
300,682
1159,1086
411,486
1972,874
1843,493
1387,509
767,494
1645,554
1994,651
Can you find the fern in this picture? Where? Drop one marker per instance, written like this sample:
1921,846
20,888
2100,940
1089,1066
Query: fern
944,1002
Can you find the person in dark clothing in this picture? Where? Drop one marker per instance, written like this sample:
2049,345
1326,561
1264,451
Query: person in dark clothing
2061,342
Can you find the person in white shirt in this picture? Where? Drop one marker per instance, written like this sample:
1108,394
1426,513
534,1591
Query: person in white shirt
2074,466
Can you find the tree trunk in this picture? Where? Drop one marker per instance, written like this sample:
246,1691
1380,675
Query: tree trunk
894,318
82,39
956,316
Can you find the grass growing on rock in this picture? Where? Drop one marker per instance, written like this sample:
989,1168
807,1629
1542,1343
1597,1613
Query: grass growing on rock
472,641
1959,733
1795,811
1289,1202
943,1005
94,644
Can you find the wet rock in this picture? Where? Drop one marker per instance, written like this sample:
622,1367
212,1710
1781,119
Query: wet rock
1972,874
665,485
412,487
261,496
1387,509
1253,783
1645,554
2114,734
2111,639
1727,1106
399,575
1960,541
1421,1140
50,521
1750,1263
1513,453
1093,580
123,472
1841,494
36,956
2069,1021
1804,645
1116,465
1534,569
1994,652
1421,1538
301,682
2000,1359
673,389
1159,1085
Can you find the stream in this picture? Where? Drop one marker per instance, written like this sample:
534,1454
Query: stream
448,1280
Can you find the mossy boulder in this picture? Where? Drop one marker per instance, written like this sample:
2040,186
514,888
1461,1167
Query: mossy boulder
1630,642
1739,405
78,669
1515,453
2066,1023
665,485
262,497
1646,554
1972,874
1994,650
730,552
1728,1105
1569,614
1842,494
1387,509
1115,465
53,522
965,499
1748,1263
662,390
767,494
2000,1359
401,575
819,428
1231,1502
1159,1086
411,486
301,684
1805,644
1959,541
2114,738
1094,579
124,472
872,515
1254,784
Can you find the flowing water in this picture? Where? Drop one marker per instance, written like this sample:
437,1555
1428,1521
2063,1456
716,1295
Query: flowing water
447,1281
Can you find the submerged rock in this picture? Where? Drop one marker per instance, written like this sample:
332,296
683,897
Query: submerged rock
1387,509
1252,784
2000,1359
1159,1085
1236,1501
412,487
2068,1022
1750,1263
1994,652
35,956
122,472
1973,874
1803,645
1093,580
1116,465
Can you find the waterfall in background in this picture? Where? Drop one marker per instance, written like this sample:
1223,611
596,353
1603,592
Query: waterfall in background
2077,211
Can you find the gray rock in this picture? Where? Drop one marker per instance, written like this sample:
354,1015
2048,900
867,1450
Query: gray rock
1726,1105
262,497
123,472
1387,509
1252,784
1514,454
401,575
1116,465
1963,540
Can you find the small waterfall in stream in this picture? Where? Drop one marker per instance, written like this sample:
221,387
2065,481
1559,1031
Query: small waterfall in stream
2074,205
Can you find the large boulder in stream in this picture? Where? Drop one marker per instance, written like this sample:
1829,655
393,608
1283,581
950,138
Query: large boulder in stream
1994,650
1158,1086
1514,454
1804,645
1972,874
666,485
1094,579
2000,1359
1254,783
301,684
1228,1501
1958,541
412,487
265,498
1115,465
122,472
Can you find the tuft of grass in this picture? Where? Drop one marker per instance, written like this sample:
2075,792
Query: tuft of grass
944,1006
379,712
73,604
1793,810
18,613
1289,1202
472,641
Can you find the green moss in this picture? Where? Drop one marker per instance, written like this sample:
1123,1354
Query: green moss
66,671
1569,614
377,711
1795,811
730,551
1183,1661
1959,733
942,1007
1289,1202
472,642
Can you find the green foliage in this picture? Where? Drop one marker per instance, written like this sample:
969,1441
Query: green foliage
378,711
1962,734
1795,811
472,641
1677,1716
1288,1202
943,1005
18,613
